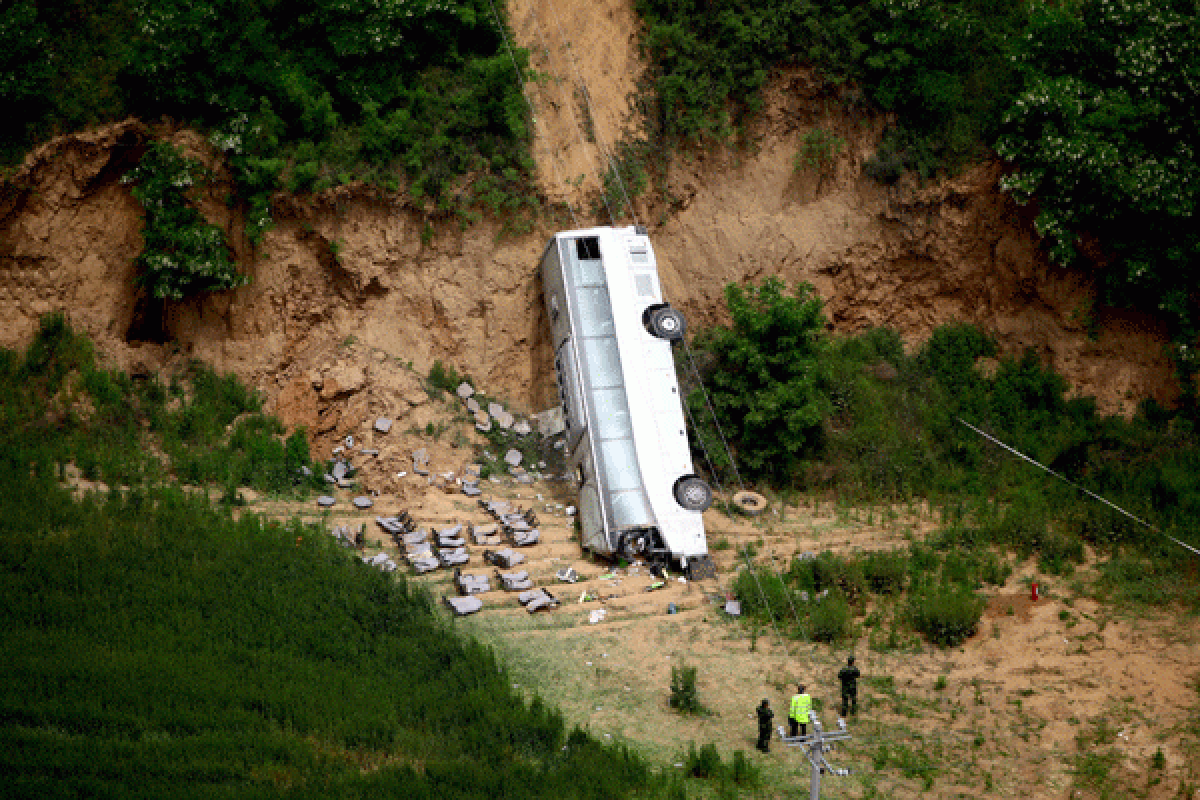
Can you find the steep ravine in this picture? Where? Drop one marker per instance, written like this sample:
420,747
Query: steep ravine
348,274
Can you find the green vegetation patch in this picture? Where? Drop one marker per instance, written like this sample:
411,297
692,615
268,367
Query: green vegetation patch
860,418
1095,102
57,406
156,644
302,95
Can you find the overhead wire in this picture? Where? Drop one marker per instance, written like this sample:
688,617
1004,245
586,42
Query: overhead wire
745,554
576,123
1076,486
587,99
529,104
733,465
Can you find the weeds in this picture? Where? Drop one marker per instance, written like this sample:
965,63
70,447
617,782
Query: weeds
684,697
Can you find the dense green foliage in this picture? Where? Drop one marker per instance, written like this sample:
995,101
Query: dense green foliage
1105,136
309,93
762,377
891,430
941,64
935,585
207,428
182,254
1094,100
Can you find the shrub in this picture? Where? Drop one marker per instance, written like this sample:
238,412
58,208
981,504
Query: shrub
885,572
947,615
829,618
743,772
444,377
182,254
683,690
762,376
705,763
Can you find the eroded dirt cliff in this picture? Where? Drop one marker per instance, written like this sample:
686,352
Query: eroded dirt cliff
357,279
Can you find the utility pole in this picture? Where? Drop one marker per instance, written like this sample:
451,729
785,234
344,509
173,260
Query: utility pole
816,745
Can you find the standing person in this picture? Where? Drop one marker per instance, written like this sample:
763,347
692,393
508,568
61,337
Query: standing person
849,678
765,715
798,711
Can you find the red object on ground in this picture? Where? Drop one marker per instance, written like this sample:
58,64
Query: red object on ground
1034,593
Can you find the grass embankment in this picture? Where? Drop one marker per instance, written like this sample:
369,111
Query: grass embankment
155,645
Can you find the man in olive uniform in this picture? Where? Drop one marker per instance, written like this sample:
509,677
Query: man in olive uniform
765,715
798,712
849,678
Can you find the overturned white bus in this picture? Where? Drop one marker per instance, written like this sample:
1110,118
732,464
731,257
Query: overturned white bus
626,439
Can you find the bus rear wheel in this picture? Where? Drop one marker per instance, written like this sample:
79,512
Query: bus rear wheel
667,323
693,494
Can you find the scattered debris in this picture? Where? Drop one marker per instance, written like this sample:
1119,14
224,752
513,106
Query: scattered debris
750,503
383,424
471,584
505,558
463,606
472,405
521,428
514,581
567,575
381,560
349,442
597,616
465,390
550,422
513,457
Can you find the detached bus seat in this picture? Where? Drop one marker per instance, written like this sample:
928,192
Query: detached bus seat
450,541
416,537
471,584
514,581
453,558
464,606
503,558
482,534
424,564
526,538
537,600
418,550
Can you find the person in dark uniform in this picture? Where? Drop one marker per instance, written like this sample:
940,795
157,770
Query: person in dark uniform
849,678
765,715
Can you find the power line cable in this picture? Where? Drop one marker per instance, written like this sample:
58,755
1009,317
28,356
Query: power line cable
1074,485
588,102
745,554
529,104
576,124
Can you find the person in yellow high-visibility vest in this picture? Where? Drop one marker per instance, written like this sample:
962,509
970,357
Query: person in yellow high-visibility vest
798,712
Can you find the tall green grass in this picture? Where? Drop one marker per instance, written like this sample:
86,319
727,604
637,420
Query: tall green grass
155,646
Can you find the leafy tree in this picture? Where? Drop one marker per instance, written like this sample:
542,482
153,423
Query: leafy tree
183,254
763,375
1105,137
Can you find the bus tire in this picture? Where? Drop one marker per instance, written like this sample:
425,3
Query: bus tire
667,323
693,494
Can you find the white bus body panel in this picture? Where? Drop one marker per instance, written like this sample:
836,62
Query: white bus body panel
626,436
